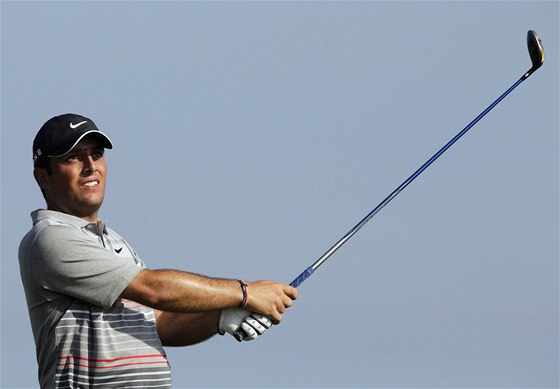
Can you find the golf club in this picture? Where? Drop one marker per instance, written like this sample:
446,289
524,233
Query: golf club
536,52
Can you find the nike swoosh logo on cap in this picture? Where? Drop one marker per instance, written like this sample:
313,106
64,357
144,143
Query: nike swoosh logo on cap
74,126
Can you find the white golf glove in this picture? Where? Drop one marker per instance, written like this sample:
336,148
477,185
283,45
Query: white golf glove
252,323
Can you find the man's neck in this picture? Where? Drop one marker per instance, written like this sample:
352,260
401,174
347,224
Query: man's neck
89,217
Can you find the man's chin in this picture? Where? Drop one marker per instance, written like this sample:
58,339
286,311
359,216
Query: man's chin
90,207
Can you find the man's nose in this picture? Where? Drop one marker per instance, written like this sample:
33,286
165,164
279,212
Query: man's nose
89,165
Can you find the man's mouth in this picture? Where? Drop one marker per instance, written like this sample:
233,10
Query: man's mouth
91,184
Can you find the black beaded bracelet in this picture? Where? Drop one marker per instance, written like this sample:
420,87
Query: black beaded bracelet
245,294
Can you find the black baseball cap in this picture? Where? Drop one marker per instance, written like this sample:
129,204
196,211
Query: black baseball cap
61,134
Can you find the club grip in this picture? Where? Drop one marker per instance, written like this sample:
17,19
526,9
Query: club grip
239,334
302,277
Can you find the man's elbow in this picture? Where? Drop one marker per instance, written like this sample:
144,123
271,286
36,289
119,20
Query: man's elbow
144,289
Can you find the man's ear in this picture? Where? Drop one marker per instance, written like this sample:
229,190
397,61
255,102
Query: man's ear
41,176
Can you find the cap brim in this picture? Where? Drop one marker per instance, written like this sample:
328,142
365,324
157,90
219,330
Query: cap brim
67,147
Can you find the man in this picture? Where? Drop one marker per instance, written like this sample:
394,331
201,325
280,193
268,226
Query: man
99,316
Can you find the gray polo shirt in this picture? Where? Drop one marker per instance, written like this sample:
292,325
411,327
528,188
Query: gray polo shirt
73,273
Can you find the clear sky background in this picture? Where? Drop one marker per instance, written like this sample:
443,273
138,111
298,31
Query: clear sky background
250,136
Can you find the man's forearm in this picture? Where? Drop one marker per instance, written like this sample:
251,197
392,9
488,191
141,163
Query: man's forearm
178,291
185,329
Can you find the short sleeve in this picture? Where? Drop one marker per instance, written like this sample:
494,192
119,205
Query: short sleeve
70,261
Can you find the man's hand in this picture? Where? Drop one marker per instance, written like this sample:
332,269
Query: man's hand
253,324
270,299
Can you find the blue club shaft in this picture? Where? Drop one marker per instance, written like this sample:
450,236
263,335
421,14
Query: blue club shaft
240,334
307,272
536,52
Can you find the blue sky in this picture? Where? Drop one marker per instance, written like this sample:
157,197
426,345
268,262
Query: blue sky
250,136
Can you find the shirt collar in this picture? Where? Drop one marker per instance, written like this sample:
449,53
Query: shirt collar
41,214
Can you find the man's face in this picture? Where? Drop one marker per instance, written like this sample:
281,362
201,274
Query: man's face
76,185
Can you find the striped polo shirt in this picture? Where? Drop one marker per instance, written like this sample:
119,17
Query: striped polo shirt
73,273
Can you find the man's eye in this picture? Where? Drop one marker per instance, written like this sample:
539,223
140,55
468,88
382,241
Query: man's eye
72,158
96,155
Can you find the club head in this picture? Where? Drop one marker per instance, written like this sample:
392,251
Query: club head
536,51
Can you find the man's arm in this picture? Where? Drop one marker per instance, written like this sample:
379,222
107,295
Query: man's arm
185,329
192,303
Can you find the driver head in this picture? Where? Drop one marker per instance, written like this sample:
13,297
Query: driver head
536,50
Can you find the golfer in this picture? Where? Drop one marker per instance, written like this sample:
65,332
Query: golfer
100,316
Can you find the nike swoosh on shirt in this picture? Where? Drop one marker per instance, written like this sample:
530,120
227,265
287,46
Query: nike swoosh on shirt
74,126
118,251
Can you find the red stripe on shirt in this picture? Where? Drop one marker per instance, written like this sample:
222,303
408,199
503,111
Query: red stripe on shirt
112,359
113,366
